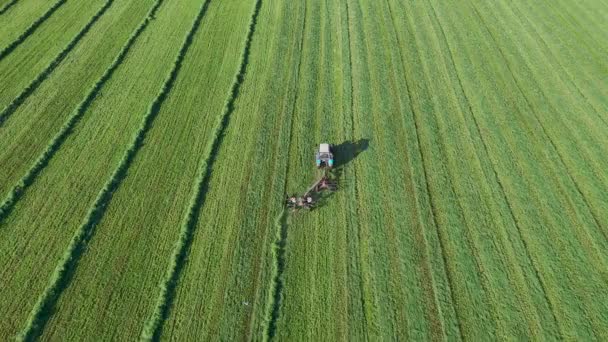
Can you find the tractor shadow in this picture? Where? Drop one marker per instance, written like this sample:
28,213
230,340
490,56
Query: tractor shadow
347,151
344,153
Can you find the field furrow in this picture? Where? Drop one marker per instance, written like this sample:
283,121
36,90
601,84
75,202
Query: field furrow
18,100
95,149
227,278
22,22
29,58
71,257
6,5
15,193
46,110
505,124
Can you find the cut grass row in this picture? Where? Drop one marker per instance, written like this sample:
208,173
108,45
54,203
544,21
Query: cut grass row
12,106
23,22
17,191
33,55
276,296
153,326
226,281
6,5
197,98
59,200
71,257
40,118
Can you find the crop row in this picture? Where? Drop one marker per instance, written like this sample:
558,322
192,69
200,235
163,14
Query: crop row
513,143
153,326
164,170
43,113
31,29
76,247
96,144
226,279
7,6
12,106
55,144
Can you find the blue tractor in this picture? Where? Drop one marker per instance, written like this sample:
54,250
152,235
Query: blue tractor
324,157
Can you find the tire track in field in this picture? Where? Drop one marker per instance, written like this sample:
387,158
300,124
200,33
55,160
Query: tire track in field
497,178
580,15
537,119
8,6
402,323
522,17
153,326
29,90
28,179
435,310
274,307
31,29
587,317
61,277
428,190
355,188
592,46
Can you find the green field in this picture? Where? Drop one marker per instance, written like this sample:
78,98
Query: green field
147,147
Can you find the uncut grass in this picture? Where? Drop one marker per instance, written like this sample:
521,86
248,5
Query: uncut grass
32,56
534,193
42,223
28,131
227,278
18,18
166,168
429,296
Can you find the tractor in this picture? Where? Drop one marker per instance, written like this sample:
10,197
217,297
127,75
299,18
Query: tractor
324,156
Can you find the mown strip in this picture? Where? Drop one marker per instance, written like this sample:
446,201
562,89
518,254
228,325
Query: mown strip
60,278
153,326
31,29
353,190
8,6
17,101
278,250
18,190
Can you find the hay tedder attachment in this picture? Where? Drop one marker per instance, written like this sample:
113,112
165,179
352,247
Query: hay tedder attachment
324,159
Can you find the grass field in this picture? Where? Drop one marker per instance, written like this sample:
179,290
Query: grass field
146,148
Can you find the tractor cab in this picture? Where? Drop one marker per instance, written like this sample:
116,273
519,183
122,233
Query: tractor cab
324,156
